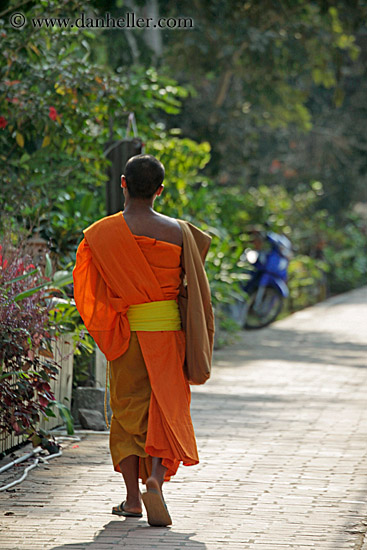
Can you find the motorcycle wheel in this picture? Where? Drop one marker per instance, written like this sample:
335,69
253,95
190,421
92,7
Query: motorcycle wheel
263,313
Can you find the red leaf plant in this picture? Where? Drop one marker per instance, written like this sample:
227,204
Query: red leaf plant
25,390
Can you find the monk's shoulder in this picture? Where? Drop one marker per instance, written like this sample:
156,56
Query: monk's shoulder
169,229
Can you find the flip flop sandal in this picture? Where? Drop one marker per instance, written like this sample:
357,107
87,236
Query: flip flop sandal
119,511
158,515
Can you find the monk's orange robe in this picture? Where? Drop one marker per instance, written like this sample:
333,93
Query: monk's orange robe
114,270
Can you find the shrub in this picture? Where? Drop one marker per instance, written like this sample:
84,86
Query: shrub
25,336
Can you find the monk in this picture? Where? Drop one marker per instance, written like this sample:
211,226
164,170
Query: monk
127,279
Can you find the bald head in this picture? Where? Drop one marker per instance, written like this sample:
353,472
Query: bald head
144,174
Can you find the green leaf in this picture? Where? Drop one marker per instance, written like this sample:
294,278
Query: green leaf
21,277
64,413
90,34
49,412
29,292
48,269
66,416
87,203
24,158
62,278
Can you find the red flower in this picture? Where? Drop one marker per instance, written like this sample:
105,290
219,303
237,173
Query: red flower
3,122
53,114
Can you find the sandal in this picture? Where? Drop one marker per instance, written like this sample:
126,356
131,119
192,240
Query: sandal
157,511
120,511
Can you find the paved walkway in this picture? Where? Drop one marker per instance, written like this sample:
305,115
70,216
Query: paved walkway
282,436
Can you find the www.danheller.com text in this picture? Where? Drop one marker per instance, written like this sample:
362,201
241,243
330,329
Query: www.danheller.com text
129,21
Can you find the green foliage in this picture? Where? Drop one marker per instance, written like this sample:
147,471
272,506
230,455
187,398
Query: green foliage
345,253
59,111
278,92
183,159
226,329
254,68
65,316
223,266
64,413
307,281
274,99
326,259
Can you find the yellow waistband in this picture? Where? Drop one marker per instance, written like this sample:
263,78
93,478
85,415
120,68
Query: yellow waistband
155,316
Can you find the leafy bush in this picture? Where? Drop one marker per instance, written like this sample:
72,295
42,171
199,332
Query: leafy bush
59,112
25,389
25,337
326,259
65,316
307,282
345,254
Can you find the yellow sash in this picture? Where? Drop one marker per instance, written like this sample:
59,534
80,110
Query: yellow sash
154,316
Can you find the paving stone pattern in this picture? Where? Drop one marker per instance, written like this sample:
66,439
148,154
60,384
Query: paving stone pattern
282,437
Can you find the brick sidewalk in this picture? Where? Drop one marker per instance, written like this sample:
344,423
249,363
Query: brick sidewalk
282,437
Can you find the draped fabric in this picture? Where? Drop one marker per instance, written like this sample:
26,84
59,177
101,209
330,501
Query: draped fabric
115,269
130,393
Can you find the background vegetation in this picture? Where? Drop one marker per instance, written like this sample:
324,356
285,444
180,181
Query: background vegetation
258,113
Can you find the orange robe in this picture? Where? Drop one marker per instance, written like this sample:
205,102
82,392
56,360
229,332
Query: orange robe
115,269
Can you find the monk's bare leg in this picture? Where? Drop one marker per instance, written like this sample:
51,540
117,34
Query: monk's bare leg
158,471
129,467
158,514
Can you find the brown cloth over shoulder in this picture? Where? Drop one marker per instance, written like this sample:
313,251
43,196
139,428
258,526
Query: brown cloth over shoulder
195,305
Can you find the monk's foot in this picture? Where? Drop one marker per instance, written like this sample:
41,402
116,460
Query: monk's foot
153,483
128,510
133,505
156,508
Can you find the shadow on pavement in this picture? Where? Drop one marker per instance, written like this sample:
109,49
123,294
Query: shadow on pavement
292,345
140,535
254,412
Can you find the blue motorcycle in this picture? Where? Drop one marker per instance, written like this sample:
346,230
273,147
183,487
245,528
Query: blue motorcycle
267,286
